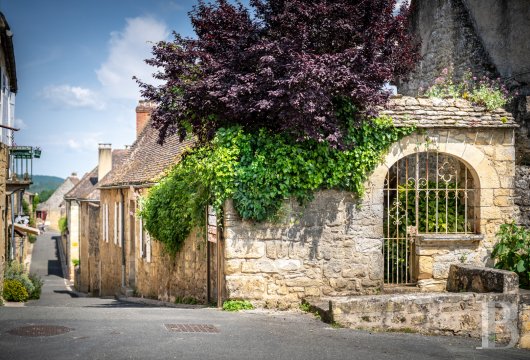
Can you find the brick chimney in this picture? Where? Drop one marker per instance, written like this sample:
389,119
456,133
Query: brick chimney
143,114
105,160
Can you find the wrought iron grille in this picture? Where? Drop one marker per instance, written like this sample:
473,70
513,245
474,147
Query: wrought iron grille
424,193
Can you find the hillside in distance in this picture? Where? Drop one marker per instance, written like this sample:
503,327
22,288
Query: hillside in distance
45,183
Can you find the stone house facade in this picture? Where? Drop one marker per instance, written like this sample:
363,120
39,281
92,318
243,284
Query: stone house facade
54,208
82,212
130,261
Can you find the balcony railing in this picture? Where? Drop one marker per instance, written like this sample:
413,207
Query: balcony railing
20,170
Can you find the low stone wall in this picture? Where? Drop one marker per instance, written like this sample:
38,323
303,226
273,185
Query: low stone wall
524,320
522,193
482,280
330,247
426,313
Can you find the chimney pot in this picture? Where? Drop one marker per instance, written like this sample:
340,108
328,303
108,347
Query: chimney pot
143,114
105,160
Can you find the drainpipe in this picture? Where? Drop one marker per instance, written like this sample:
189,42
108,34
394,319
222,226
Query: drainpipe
122,236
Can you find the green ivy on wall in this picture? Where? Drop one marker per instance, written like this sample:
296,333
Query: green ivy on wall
259,171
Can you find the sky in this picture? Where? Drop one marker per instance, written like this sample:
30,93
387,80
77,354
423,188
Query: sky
75,62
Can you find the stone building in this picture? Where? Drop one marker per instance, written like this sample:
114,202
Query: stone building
488,37
15,161
54,208
82,213
129,259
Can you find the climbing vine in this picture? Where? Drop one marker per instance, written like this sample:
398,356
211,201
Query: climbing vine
259,171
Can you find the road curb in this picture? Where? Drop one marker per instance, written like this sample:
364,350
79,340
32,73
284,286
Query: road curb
152,302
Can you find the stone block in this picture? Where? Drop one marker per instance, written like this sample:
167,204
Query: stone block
288,265
524,341
481,280
246,287
425,267
244,249
431,285
365,245
259,266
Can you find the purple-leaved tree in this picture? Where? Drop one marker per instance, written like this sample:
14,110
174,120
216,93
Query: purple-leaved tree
284,65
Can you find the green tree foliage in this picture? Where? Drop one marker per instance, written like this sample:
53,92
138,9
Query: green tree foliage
45,195
512,252
259,171
63,225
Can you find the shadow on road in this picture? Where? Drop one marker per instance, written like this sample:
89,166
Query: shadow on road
54,268
120,304
71,293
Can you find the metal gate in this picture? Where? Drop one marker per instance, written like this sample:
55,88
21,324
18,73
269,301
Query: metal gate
426,192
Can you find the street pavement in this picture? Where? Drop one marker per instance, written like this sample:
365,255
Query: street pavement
110,329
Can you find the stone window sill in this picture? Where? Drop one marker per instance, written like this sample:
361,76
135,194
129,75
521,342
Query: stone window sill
425,238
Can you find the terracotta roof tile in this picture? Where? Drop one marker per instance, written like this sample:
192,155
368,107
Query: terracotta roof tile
147,160
86,189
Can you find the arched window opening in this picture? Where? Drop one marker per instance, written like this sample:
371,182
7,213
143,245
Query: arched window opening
424,193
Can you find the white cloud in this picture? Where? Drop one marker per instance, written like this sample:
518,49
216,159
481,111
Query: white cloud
73,96
84,141
127,51
20,124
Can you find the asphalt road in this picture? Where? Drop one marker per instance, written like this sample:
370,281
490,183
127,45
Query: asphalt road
109,329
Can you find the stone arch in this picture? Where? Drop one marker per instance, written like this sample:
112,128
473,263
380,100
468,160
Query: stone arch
475,160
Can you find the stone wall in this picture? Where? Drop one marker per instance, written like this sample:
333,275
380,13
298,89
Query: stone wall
434,313
522,193
110,252
330,247
448,39
524,321
333,247
89,248
169,278
157,275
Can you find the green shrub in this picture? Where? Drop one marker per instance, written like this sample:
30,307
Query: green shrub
237,305
37,284
63,225
14,290
75,262
512,252
490,93
32,238
17,271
